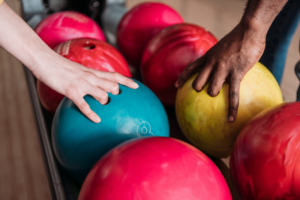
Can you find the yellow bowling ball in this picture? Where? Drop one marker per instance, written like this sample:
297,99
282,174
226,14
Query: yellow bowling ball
204,119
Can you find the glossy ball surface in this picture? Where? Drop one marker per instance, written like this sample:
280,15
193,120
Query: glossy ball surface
67,25
204,119
265,162
139,25
79,143
91,53
155,168
169,53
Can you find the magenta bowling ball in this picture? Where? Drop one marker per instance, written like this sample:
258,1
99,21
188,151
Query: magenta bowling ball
154,168
67,25
139,25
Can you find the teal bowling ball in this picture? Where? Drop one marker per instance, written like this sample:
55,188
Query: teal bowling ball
79,143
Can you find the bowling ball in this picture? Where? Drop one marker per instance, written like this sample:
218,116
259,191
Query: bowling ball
265,161
204,119
154,168
91,53
67,25
78,143
139,25
168,54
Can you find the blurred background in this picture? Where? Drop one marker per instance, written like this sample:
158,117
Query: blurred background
22,174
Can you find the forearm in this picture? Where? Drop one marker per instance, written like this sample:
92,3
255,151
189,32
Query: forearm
20,40
259,14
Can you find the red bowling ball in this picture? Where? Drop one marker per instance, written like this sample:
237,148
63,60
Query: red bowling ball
265,162
91,53
154,168
169,53
139,25
67,25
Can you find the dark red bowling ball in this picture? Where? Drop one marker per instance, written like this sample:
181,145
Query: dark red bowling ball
91,53
139,25
155,168
265,162
67,25
169,53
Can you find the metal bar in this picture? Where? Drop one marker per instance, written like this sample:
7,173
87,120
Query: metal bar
55,183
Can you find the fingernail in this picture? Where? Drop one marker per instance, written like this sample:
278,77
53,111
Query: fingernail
135,85
176,84
96,118
230,118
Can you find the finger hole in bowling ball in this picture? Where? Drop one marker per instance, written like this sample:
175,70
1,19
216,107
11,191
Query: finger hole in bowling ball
89,46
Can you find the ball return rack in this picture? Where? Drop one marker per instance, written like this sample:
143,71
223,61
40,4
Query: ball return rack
107,13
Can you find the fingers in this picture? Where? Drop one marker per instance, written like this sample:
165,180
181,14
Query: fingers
104,84
189,71
217,80
122,80
77,97
116,77
99,94
83,106
202,78
233,95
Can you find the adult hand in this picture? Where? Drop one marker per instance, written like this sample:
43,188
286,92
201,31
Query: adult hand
229,60
234,55
75,81
66,77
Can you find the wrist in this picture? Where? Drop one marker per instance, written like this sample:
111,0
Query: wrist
42,60
254,26
250,35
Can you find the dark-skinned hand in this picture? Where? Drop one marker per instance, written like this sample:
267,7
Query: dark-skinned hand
228,61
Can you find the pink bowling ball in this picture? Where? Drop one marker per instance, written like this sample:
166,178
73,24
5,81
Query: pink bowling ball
154,168
67,25
139,25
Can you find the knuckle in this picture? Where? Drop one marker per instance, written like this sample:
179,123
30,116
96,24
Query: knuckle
233,94
89,75
81,82
115,87
210,63
183,76
214,84
104,96
71,91
116,75
83,106
189,67
232,109
235,83
236,78
221,65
